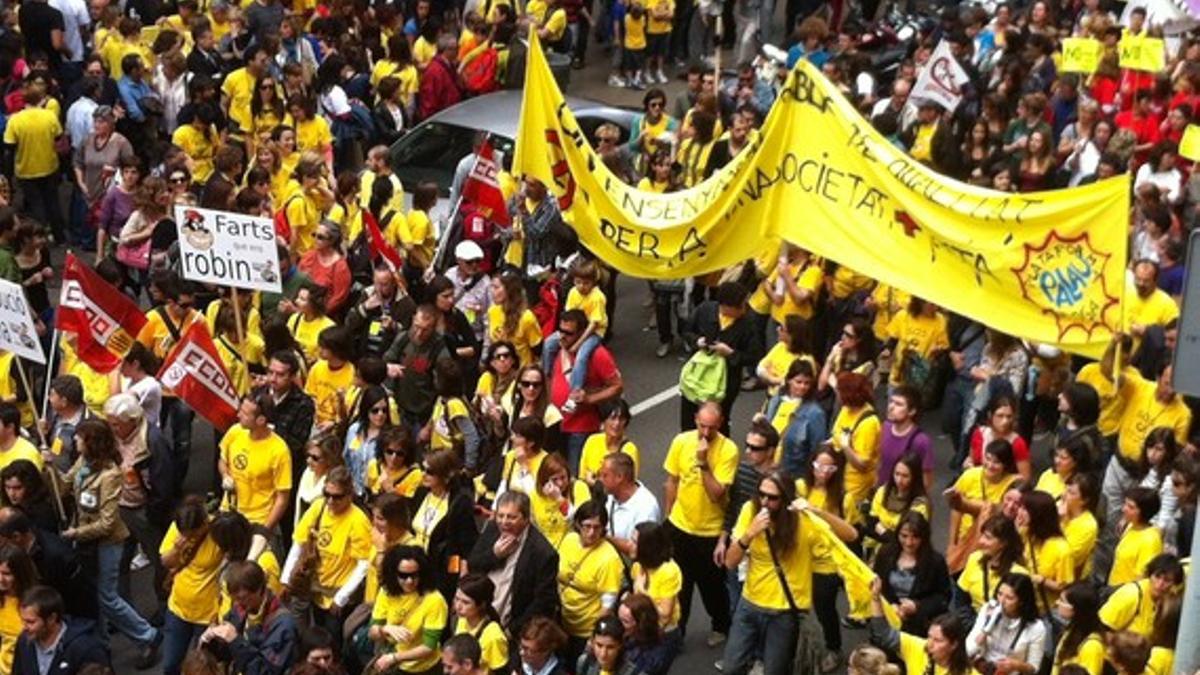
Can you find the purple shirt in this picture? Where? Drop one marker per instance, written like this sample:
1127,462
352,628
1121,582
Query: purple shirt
893,447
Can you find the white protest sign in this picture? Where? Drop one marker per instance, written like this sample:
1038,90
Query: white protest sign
227,249
942,79
17,332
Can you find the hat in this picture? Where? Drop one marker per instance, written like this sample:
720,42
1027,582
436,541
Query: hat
468,250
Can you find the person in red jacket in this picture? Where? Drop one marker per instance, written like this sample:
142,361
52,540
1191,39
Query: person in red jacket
440,87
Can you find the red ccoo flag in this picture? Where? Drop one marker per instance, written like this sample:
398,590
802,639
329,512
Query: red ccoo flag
104,320
195,372
379,246
483,190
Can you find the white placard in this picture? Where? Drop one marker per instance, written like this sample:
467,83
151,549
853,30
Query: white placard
942,79
17,332
227,249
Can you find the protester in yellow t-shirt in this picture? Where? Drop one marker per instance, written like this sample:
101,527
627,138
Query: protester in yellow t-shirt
1140,541
1134,606
409,613
510,320
310,321
700,467
942,652
1082,641
475,616
655,574
793,285
331,376
590,571
856,432
920,331
340,535
312,130
999,552
256,465
980,488
33,130
1047,552
555,498
611,439
193,562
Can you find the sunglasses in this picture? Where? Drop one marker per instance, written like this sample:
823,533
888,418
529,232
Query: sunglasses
313,458
378,410
768,497
757,448
531,383
178,180
390,452
335,496
407,576
502,355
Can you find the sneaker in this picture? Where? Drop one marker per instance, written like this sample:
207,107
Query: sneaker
715,639
719,665
636,83
662,77
662,351
140,561
147,656
830,662
616,81
757,668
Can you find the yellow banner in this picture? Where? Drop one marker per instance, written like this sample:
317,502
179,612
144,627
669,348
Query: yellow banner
1189,145
1046,266
1080,55
1138,52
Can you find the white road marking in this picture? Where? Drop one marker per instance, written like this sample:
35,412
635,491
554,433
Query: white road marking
655,400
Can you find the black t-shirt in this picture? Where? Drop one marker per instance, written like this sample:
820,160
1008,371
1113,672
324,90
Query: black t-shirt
165,233
38,20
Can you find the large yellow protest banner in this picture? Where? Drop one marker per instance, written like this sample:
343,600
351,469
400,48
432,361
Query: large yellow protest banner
1045,266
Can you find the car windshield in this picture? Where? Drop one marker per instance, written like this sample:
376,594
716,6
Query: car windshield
432,152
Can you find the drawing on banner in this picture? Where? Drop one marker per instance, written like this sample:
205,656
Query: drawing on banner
17,332
942,80
228,249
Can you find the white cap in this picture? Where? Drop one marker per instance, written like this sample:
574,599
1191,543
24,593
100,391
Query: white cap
468,250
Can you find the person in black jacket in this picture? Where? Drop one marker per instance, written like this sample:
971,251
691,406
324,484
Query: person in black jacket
56,560
522,593
910,561
738,343
448,536
46,624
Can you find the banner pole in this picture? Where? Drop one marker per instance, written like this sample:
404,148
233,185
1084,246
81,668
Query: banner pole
49,374
28,391
439,256
237,317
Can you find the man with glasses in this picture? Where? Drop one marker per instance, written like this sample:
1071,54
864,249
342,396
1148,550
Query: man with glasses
471,283
700,467
255,465
519,561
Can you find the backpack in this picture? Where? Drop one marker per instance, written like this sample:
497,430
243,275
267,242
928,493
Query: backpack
479,76
283,227
703,377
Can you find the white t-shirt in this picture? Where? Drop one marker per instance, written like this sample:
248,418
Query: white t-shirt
149,393
642,507
335,102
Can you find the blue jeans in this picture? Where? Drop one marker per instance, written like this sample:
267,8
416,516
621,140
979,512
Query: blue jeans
756,630
574,446
177,638
583,354
112,606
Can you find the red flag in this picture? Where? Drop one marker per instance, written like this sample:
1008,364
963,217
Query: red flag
379,246
483,190
104,320
195,372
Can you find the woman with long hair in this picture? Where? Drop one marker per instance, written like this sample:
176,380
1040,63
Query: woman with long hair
943,650
309,320
510,319
395,467
903,493
1000,552
855,351
362,438
444,517
1079,416
1009,635
266,109
798,417
856,434
455,328
1158,457
391,525
17,575
1082,641
655,573
475,616
240,541
498,382
95,480
523,461
1071,457
606,651
914,575
325,264
409,613
531,398
321,455
1077,516
1036,168
645,644
26,491
794,344
555,499
194,562
1001,424
1047,553
980,490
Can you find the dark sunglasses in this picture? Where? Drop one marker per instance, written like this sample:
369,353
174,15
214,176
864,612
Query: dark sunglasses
405,576
757,448
769,497
178,180
390,452
531,383
502,355
313,458
333,497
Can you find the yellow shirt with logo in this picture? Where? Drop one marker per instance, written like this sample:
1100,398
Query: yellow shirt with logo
419,614
808,277
694,511
342,541
1145,413
595,449
33,131
307,333
916,335
196,590
324,384
594,305
199,147
157,337
238,88
777,362
528,333
662,583
763,586
585,575
548,513
860,430
260,468
818,497
1135,549
1130,607
427,516
405,486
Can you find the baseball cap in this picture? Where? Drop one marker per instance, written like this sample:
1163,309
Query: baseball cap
468,250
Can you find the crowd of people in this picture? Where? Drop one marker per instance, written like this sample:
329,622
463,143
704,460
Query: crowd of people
432,467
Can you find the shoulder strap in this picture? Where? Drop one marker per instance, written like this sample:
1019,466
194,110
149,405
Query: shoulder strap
1040,589
171,327
911,439
865,416
236,354
787,590
294,321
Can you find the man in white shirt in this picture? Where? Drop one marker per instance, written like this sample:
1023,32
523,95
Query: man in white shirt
629,502
897,105
76,20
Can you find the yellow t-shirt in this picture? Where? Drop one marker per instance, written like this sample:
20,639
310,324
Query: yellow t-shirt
371,585
303,214
324,384
1162,661
595,449
405,486
238,358
423,52
889,518
808,277
199,147
445,412
342,540
238,88
585,575
861,431
974,486
313,134
307,332
414,235
914,656
556,24
922,147
763,586
548,514
1090,655
116,48
917,335
527,335
847,282
635,32
1051,483
21,449
1081,533
196,592
818,497
259,468
1130,607
1052,560
492,641
659,8
663,583
1144,413
95,385
270,567
777,362
1156,310
427,516
383,68
980,583
889,302
1135,549
366,184
594,305
693,511
10,631
33,131
422,615
1111,405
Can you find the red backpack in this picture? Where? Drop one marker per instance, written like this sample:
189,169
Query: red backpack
479,76
283,227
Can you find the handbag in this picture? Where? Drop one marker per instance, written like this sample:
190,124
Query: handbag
136,255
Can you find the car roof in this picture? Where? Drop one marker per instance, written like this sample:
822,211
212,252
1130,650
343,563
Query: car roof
499,113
